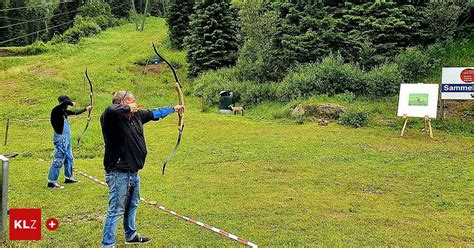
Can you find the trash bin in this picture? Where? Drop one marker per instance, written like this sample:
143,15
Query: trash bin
225,100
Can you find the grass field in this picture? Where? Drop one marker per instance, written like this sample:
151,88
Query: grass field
273,182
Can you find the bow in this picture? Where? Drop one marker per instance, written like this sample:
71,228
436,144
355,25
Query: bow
180,113
91,96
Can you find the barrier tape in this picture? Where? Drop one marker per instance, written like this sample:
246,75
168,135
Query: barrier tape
198,223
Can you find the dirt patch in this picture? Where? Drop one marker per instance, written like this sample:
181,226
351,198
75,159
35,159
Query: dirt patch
151,69
29,101
44,73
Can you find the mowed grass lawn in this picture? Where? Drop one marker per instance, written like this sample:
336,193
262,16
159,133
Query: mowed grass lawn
274,183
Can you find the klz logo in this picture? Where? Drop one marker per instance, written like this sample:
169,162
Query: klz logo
25,224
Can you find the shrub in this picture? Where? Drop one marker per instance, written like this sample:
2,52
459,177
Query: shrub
331,76
384,80
253,93
355,119
99,12
72,35
87,26
82,28
413,64
209,84
36,48
348,97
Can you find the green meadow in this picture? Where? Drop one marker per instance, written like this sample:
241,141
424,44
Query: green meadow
272,181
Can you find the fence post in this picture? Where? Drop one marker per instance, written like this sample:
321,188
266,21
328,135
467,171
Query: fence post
6,132
4,198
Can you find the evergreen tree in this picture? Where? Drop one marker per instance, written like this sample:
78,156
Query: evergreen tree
63,17
139,5
120,8
179,12
39,15
213,42
18,13
4,22
155,8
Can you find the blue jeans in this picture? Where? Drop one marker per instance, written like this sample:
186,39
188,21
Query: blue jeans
124,195
62,154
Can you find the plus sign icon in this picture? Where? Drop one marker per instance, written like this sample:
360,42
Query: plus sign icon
52,224
25,224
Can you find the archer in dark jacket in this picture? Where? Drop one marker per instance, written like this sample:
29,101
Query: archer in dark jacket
125,153
62,142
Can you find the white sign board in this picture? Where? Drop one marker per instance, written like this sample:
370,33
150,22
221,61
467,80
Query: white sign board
457,83
418,100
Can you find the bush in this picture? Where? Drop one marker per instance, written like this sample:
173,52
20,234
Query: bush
348,97
331,76
355,119
413,64
384,80
37,47
209,84
253,93
82,28
72,35
99,12
87,26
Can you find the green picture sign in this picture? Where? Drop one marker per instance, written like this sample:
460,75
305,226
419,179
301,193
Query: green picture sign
418,100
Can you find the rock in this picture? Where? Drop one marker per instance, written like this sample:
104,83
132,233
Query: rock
325,111
330,111
323,122
298,111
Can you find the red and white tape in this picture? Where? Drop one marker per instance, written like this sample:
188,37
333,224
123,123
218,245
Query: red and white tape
201,224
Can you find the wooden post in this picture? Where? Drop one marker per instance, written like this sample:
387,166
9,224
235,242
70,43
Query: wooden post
6,132
442,109
203,104
428,121
404,124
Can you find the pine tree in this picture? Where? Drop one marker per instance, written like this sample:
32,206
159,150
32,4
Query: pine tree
155,8
213,42
18,31
177,18
120,8
63,17
4,22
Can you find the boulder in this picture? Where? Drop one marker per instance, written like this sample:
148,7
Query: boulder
325,111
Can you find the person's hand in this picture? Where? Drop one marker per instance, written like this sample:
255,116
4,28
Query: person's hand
179,108
133,107
89,108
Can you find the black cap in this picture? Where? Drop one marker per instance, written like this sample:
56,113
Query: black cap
64,98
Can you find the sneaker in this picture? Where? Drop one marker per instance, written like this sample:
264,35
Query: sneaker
72,180
55,185
138,240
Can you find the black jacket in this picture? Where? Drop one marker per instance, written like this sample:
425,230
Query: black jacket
59,113
125,147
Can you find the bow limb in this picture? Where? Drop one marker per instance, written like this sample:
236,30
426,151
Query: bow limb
91,102
180,112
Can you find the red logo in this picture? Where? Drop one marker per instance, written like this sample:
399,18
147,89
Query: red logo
467,75
25,224
52,224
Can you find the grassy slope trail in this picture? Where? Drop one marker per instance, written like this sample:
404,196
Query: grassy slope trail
273,183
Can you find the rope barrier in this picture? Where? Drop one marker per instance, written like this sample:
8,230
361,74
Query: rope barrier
198,223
